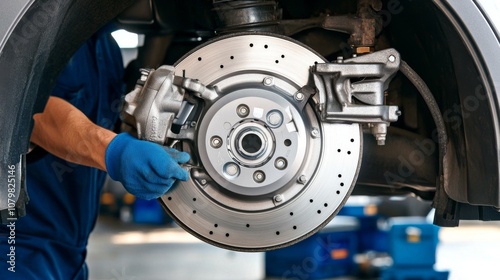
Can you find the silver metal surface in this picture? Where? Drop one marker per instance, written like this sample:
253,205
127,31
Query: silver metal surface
280,173
152,108
360,100
12,12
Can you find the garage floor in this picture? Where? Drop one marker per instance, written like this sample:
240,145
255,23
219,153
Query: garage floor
126,251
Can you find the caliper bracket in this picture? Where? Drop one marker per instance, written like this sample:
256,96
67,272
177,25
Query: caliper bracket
352,90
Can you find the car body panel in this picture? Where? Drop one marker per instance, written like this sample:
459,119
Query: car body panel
479,115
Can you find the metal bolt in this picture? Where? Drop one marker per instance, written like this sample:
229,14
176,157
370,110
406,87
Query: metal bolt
392,58
144,74
231,169
299,96
315,132
203,181
216,142
380,140
379,130
274,118
280,163
268,81
302,179
398,113
340,59
278,198
242,110
193,124
259,176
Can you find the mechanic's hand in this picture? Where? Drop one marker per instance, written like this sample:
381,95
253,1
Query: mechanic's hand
147,170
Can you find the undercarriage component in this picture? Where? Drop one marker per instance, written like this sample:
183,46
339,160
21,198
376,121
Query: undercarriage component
272,158
256,15
265,16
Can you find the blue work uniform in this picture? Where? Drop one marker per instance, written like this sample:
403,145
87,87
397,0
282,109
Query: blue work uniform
51,240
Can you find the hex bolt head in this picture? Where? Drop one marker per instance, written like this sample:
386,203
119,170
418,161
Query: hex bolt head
379,130
380,140
278,198
203,181
216,142
144,74
299,96
242,111
259,176
302,179
268,81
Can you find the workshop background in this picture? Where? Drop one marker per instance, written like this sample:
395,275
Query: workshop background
371,238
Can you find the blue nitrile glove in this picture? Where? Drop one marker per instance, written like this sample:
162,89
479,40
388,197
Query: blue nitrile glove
146,170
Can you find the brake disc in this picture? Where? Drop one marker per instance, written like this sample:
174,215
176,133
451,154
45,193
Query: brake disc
266,172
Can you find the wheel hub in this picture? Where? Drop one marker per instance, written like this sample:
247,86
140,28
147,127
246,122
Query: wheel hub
260,149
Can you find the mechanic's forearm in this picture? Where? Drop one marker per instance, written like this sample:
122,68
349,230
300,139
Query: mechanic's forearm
66,132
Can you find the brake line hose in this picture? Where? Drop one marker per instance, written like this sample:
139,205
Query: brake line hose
441,201
429,99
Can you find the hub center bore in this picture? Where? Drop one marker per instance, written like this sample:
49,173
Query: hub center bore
251,144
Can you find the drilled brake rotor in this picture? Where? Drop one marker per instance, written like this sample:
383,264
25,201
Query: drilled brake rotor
266,173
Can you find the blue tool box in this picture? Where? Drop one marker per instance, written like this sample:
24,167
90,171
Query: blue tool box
412,242
413,274
328,253
370,237
412,246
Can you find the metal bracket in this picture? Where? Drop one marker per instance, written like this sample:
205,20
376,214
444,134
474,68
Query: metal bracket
352,90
